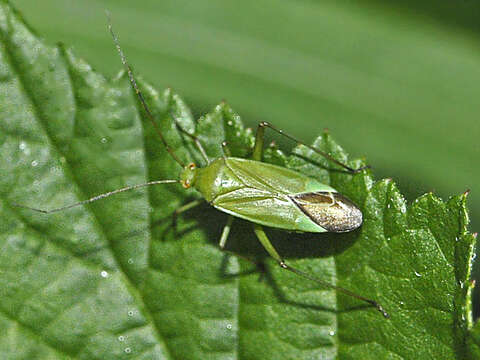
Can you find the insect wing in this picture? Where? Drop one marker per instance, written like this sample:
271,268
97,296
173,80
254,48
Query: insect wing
265,195
332,211
264,208
272,178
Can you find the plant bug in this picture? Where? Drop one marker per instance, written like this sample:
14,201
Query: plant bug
259,192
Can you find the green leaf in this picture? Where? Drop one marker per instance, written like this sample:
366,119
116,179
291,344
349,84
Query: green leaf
112,280
474,342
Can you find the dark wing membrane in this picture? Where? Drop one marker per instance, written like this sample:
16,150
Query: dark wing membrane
332,211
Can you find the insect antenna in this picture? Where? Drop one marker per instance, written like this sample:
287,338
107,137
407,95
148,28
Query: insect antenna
133,82
97,197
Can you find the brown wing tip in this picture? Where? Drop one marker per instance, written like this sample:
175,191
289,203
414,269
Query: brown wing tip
332,211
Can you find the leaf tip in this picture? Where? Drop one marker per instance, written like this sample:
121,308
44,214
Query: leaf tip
222,107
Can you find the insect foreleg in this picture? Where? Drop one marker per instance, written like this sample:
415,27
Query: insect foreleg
259,139
223,241
273,253
182,209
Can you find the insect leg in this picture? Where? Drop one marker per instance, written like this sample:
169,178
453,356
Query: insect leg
273,253
197,142
182,209
258,150
226,149
223,241
259,140
225,233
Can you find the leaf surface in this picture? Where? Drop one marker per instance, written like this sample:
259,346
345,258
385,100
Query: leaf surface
114,280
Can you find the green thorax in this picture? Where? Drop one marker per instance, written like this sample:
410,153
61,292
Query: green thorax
258,192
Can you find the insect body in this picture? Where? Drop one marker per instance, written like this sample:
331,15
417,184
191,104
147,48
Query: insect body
264,194
273,196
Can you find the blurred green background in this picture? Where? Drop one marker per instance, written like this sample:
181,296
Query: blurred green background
395,81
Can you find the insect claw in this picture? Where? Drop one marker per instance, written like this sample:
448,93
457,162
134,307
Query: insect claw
384,313
380,308
356,171
360,169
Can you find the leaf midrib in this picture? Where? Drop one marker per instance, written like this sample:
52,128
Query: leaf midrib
69,173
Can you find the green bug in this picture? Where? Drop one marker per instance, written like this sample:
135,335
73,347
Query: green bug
262,193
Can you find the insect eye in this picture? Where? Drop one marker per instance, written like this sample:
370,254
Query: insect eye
192,166
185,183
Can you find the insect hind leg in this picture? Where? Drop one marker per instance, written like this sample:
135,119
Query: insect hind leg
259,141
265,241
